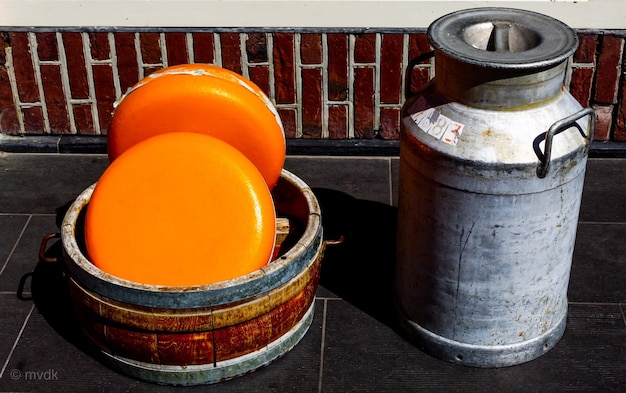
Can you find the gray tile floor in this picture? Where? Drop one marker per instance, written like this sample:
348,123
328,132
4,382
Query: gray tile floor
352,344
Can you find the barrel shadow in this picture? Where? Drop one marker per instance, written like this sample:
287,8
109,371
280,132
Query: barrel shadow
50,294
361,269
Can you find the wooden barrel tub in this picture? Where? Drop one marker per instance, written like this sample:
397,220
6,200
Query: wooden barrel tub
201,334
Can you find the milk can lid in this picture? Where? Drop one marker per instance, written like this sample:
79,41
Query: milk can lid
503,38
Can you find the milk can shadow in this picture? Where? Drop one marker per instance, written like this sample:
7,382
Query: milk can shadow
360,270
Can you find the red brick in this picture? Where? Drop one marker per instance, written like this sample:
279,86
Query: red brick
620,121
4,43
256,48
288,117
150,69
23,66
391,68
55,99
586,51
580,85
83,119
47,46
9,123
105,93
312,103
150,44
76,70
608,69
418,45
337,122
420,76
260,75
390,123
231,51
337,67
311,48
620,134
364,102
126,57
99,44
604,121
284,69
176,44
365,48
33,120
203,48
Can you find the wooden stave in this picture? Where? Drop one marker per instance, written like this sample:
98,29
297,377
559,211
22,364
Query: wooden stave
221,341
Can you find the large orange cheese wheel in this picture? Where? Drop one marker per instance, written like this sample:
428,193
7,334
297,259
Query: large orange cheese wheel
180,209
192,99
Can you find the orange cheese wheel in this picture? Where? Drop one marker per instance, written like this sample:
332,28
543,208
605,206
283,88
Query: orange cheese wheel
194,100
180,209
219,72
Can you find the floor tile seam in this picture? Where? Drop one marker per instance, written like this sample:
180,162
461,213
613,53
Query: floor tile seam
618,304
390,175
602,222
28,214
292,156
606,159
17,340
328,298
325,157
354,156
17,241
322,345
51,154
308,156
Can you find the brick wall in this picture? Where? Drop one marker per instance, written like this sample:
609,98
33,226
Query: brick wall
333,85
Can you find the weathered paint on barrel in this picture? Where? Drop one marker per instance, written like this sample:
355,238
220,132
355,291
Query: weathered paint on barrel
488,211
203,334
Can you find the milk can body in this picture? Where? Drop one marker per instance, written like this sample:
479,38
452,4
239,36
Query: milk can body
492,161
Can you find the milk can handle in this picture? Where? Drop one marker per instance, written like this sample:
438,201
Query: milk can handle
409,71
555,129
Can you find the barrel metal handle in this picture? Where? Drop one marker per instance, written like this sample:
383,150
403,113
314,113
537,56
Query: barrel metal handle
558,127
335,242
44,246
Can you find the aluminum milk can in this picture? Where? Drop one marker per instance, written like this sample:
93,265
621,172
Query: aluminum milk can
492,161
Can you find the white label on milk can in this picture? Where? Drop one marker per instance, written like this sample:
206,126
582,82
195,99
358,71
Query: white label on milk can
432,122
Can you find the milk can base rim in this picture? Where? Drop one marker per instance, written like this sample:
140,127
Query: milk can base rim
483,356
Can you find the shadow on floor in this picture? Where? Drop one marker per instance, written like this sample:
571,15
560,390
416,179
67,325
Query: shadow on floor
361,269
50,294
